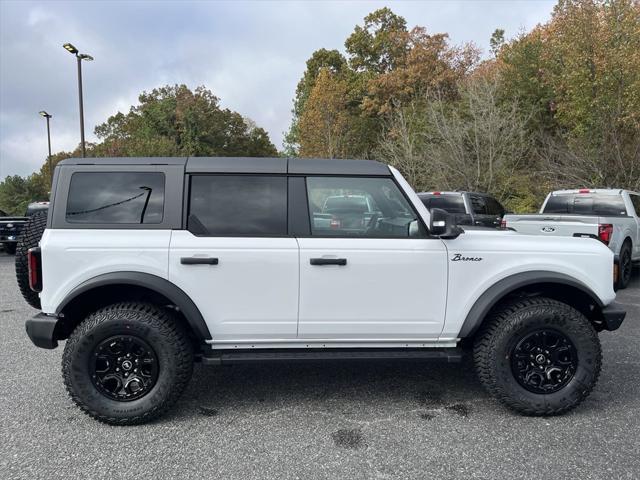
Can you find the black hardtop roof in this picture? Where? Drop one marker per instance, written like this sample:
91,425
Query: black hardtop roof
275,165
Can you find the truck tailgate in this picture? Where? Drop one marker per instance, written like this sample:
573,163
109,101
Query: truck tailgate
557,225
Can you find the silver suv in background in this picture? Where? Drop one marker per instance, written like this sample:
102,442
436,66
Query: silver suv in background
610,215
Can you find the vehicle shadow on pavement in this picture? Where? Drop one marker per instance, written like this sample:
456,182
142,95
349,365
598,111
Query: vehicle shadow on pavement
332,387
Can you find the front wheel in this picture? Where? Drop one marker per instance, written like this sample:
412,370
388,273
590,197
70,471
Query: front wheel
127,363
538,356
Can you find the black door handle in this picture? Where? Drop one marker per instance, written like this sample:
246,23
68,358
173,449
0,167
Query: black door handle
198,261
328,261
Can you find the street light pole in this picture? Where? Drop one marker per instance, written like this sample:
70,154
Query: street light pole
79,57
84,152
48,117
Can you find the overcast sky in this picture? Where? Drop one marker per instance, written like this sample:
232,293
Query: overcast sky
250,54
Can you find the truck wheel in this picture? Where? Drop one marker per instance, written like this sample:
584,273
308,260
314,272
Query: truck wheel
29,238
127,363
538,356
626,266
10,248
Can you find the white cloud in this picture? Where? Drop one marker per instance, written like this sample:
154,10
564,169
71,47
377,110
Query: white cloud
250,54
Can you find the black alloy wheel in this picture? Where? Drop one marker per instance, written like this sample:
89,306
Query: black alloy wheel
124,368
544,361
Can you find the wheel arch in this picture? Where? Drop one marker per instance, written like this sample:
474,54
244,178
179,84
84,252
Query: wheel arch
550,284
115,287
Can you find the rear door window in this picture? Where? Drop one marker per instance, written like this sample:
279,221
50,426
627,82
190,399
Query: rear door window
238,205
116,198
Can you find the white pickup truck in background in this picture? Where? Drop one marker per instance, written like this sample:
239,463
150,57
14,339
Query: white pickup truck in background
610,215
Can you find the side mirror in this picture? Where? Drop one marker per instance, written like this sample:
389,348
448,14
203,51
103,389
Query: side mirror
443,224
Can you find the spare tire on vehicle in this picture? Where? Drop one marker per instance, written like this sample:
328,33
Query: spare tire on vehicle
30,237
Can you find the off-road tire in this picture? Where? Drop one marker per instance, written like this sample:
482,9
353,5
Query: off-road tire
156,326
626,266
511,322
30,237
10,248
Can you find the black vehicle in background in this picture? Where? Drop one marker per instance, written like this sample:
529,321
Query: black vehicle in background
469,208
11,227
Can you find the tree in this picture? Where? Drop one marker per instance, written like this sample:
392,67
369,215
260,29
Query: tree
324,123
478,143
496,41
322,59
374,47
169,121
17,192
174,120
427,64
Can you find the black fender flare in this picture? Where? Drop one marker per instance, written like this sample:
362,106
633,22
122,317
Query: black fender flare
157,284
504,287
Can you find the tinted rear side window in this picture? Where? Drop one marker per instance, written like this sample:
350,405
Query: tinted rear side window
116,198
585,204
242,205
449,203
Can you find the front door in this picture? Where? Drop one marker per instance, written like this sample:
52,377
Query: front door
368,270
235,260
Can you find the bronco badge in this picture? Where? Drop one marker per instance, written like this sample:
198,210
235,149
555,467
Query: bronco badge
459,258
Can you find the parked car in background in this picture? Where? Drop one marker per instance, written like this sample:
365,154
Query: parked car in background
610,215
11,227
468,208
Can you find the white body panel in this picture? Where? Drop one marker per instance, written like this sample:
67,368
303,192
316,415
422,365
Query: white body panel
389,289
251,294
264,293
71,257
504,254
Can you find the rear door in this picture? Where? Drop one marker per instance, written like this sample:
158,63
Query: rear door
382,279
236,260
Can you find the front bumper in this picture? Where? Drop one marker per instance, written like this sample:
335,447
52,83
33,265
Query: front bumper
612,316
41,330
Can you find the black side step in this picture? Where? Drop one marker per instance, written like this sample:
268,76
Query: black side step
224,357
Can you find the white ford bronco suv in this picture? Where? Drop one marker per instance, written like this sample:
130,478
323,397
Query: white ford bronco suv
145,265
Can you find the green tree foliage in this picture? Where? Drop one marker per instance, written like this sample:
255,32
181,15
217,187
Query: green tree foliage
174,120
168,121
17,192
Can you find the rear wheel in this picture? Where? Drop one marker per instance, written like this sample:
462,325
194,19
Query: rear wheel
538,356
10,248
625,266
29,238
127,363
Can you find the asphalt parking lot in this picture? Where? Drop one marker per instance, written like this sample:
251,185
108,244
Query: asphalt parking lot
337,420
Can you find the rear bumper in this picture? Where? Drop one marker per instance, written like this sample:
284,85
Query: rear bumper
41,330
612,316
